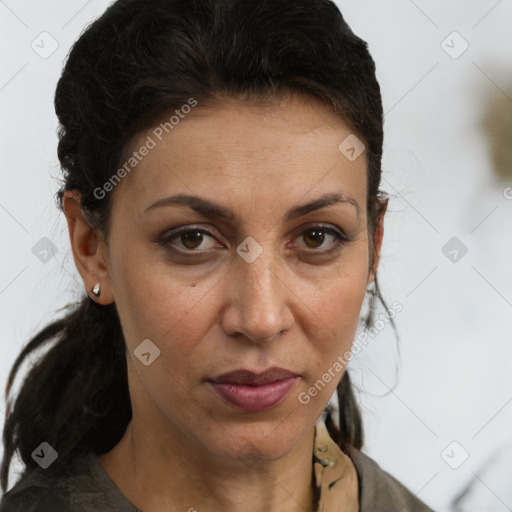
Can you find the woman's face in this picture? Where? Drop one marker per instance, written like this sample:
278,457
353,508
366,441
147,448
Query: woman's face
266,284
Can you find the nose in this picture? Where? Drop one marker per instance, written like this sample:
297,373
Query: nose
260,302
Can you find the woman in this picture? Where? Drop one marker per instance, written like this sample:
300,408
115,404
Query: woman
222,170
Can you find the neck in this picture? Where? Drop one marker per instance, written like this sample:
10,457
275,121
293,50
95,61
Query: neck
182,478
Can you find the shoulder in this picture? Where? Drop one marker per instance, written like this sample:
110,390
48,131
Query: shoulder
379,491
53,489
34,499
37,490
79,484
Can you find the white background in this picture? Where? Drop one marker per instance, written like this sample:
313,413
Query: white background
452,380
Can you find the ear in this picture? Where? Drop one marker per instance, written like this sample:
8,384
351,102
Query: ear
378,237
89,249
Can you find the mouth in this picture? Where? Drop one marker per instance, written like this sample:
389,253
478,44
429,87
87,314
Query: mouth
250,391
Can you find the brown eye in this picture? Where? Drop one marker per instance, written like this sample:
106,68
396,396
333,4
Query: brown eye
190,239
316,236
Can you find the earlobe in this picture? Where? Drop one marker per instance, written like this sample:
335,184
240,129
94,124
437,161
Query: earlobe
87,245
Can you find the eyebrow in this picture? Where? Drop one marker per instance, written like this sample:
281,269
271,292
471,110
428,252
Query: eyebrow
210,209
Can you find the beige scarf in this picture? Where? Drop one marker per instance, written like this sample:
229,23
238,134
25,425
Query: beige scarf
335,475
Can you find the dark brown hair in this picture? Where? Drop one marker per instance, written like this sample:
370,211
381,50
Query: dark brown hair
140,60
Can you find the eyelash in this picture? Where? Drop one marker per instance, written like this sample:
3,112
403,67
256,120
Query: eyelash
340,239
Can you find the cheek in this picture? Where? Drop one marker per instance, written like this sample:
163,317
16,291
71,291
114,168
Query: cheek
339,309
331,343
337,305
159,304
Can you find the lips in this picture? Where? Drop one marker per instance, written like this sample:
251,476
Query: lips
250,391
255,379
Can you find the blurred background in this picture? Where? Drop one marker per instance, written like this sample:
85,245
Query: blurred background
437,404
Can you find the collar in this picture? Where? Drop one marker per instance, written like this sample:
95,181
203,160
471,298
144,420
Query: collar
335,474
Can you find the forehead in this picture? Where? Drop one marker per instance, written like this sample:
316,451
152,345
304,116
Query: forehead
243,151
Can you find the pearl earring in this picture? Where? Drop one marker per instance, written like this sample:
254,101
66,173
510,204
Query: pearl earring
96,290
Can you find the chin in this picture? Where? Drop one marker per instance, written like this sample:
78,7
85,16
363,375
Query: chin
260,442
260,452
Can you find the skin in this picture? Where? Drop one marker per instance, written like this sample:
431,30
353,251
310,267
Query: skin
185,448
